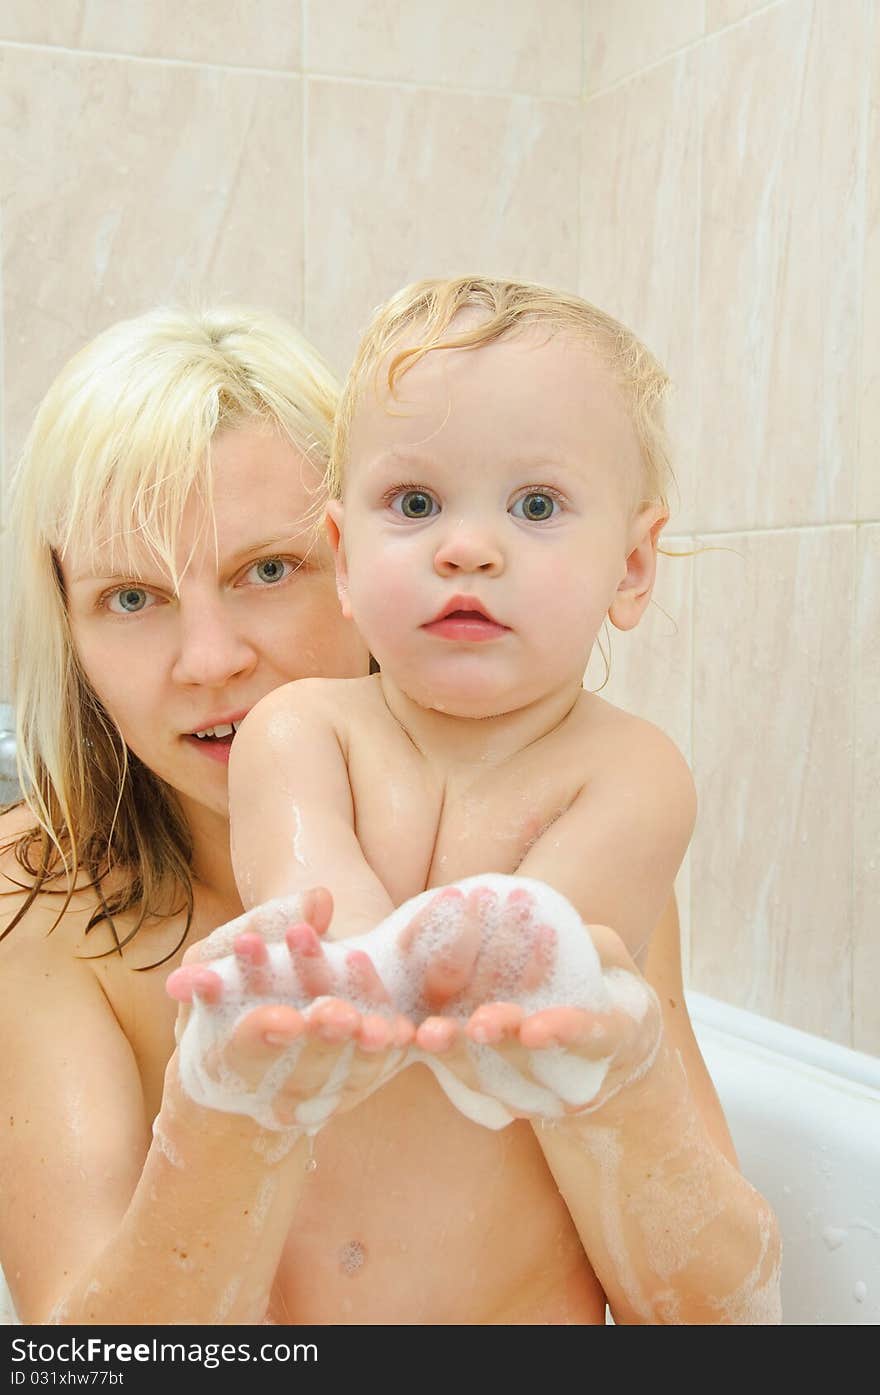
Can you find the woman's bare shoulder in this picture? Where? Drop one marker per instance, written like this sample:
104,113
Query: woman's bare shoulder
23,924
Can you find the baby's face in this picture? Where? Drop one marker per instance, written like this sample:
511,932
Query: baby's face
487,520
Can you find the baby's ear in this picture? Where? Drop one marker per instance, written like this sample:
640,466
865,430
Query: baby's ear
333,521
635,589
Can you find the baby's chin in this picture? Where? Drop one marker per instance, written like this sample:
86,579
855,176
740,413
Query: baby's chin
469,703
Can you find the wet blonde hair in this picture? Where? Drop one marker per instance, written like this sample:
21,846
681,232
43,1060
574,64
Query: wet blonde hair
417,321
119,444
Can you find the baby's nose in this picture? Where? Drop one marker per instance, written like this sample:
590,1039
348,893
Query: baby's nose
468,548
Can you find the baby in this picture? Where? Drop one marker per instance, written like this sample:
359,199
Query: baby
497,489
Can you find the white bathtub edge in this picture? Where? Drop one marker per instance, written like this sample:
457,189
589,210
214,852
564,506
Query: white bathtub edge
830,1056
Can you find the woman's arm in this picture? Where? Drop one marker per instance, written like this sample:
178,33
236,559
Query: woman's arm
673,1230
99,1222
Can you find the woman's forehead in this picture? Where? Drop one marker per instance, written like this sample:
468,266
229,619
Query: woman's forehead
260,491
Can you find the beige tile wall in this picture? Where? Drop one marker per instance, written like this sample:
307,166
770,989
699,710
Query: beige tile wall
709,171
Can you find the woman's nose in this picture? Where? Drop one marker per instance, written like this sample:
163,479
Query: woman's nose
211,651
468,547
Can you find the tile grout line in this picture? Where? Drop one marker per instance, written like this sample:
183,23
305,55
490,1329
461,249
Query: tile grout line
304,259
349,79
703,38
693,587
857,536
853,712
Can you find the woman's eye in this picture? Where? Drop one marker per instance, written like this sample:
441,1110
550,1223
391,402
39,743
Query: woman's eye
535,506
415,503
129,600
271,569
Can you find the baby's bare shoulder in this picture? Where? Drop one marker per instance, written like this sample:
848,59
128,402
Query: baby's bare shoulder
328,698
619,745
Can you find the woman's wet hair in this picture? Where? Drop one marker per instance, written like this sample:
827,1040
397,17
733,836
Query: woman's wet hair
119,445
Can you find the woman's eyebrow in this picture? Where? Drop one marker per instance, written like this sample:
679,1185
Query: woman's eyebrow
275,540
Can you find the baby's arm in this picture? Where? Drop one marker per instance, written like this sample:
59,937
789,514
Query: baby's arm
672,1229
292,813
615,851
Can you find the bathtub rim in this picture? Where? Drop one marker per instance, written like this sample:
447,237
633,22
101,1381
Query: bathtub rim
731,1021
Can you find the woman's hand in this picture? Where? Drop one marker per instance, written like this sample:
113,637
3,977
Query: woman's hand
278,1050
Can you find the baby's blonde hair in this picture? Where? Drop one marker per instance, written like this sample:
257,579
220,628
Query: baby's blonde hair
421,315
119,444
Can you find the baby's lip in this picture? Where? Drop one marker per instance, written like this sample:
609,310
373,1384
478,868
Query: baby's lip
466,605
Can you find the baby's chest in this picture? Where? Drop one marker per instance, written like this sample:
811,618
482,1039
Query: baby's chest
419,831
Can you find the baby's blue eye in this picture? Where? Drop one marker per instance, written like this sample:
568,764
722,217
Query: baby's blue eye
131,599
270,569
415,503
535,507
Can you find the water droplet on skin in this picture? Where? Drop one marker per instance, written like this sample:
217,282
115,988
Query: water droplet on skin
311,1165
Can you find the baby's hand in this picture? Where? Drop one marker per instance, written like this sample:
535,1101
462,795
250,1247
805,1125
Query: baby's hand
489,950
330,1052
560,1060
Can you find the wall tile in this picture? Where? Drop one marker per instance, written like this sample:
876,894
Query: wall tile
651,671
780,267
651,666
129,183
56,23
868,502
720,13
404,184
639,233
235,32
624,36
771,887
866,940
497,45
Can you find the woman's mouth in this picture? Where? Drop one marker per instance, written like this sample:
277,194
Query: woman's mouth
215,741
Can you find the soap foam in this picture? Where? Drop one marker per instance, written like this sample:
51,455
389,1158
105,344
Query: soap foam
574,979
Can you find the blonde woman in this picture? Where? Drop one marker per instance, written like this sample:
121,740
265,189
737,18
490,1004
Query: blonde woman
168,571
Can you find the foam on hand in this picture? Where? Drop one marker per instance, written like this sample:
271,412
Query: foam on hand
560,1078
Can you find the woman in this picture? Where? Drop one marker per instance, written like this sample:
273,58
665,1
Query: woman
168,554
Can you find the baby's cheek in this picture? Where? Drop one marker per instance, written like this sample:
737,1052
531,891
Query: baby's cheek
386,598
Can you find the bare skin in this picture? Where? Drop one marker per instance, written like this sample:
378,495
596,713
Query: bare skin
103,1220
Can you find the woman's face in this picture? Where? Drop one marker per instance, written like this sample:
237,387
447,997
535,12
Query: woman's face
255,608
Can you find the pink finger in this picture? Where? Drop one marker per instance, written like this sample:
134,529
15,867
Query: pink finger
542,958
252,958
273,1025
333,1021
317,909
493,1022
424,919
560,1026
437,1034
376,1033
309,960
363,981
404,1032
452,967
194,981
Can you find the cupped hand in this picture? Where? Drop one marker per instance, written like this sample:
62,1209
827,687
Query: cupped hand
330,1050
558,1061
